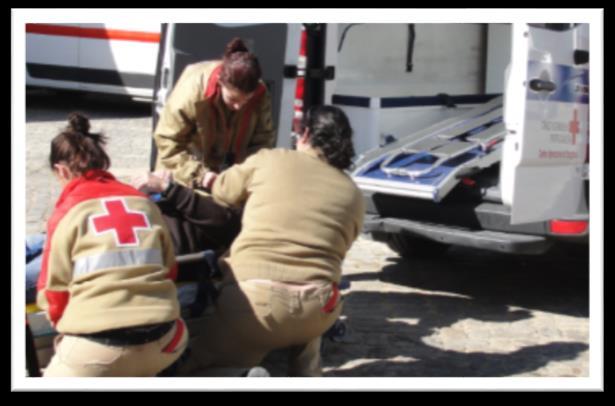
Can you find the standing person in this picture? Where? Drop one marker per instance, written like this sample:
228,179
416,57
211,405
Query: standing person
218,113
302,213
106,282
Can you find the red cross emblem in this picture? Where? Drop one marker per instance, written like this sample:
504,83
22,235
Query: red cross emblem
122,222
574,127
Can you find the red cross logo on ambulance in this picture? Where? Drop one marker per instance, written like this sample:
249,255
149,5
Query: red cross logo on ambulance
574,127
120,221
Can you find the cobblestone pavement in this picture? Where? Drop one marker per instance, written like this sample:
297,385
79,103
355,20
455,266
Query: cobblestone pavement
464,314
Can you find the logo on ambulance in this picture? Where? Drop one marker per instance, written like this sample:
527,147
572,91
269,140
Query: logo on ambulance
574,127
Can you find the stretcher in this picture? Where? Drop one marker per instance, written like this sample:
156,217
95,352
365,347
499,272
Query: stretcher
429,164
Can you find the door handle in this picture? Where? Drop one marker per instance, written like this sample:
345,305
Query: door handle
539,85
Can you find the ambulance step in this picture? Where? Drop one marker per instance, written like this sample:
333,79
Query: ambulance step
483,239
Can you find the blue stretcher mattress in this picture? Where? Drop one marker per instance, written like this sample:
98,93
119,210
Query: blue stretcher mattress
418,161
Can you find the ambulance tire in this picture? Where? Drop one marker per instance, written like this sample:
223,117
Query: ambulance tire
410,247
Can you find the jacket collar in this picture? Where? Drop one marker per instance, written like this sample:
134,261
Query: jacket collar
96,175
212,83
314,153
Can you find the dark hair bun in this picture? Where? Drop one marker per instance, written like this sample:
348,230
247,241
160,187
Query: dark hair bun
78,148
236,45
79,123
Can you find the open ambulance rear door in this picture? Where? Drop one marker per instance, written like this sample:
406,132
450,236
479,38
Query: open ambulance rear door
546,112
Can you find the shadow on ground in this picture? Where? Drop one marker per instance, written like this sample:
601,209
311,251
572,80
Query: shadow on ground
388,329
50,105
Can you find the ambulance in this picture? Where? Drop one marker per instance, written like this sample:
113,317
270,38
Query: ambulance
95,58
467,134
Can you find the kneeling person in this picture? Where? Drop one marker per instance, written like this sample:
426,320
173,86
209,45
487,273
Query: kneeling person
108,266
302,213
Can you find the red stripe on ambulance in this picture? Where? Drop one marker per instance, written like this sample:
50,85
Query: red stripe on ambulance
96,33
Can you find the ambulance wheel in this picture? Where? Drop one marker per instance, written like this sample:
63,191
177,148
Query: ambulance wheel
410,247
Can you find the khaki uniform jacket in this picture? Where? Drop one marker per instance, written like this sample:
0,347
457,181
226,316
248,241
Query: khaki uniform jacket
300,218
196,133
108,260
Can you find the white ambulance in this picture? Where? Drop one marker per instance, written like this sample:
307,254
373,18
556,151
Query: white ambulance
468,134
100,58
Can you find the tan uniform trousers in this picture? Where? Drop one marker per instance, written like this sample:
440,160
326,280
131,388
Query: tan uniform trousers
79,357
255,317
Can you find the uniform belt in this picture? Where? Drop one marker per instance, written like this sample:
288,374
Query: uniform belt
130,335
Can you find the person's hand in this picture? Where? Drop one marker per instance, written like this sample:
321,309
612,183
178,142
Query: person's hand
208,180
153,182
165,176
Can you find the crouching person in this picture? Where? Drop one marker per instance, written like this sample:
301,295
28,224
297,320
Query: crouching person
106,282
302,213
